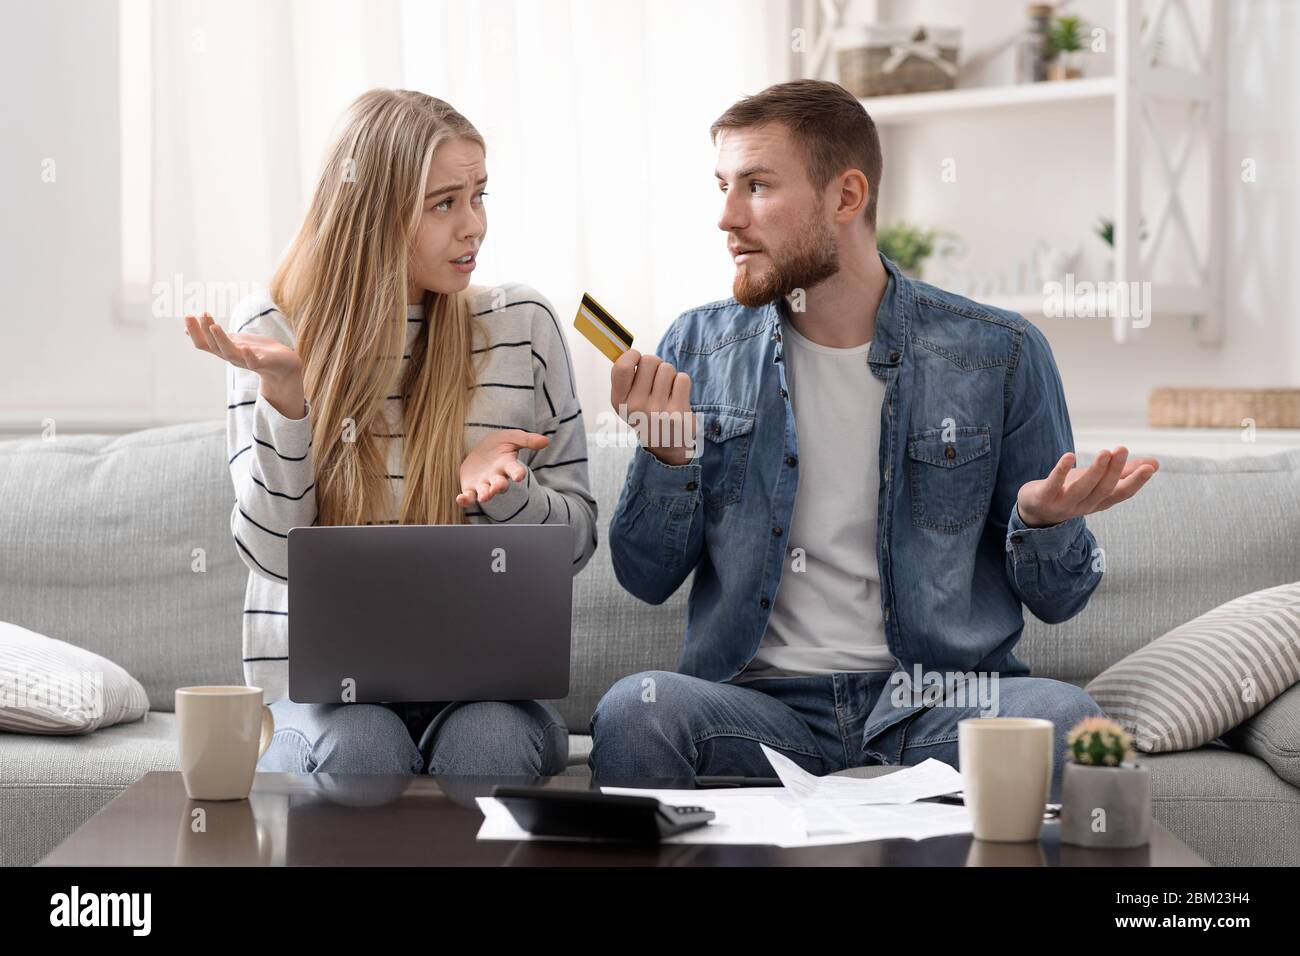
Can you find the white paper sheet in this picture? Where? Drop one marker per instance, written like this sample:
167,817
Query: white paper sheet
825,822
830,823
930,778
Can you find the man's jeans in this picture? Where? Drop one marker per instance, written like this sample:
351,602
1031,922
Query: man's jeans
522,737
665,724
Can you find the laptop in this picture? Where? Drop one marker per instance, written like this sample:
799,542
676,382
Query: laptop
429,612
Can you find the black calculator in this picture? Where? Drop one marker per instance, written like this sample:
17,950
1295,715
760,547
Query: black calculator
590,814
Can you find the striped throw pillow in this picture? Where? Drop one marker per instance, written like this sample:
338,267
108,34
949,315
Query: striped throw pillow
52,687
1205,677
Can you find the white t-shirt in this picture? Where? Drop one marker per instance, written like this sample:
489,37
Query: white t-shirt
826,616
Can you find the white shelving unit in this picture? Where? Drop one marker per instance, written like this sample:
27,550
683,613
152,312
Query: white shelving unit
1132,96
924,107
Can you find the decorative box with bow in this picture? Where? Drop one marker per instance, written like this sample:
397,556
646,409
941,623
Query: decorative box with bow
880,60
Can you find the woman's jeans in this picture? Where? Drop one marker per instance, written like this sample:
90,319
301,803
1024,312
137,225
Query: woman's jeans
489,738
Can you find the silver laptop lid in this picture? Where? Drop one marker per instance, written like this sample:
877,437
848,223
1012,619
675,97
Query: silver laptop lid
429,612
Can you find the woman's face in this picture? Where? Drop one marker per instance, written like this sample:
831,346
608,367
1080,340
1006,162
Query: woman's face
453,220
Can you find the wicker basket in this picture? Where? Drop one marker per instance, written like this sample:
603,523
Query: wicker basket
1223,407
880,60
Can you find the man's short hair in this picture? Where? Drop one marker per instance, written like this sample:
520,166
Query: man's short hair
826,120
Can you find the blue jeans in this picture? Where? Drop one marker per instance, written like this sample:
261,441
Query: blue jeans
665,724
489,738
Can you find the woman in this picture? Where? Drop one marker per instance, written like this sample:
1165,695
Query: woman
376,385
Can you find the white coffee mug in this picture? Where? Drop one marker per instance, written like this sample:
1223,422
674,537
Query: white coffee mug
1006,775
222,732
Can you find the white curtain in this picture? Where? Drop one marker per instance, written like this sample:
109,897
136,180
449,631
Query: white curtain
596,115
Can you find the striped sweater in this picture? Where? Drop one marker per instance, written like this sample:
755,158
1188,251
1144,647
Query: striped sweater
525,381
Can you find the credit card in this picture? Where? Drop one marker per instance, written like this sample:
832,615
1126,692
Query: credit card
601,329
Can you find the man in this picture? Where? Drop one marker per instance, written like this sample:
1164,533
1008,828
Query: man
898,459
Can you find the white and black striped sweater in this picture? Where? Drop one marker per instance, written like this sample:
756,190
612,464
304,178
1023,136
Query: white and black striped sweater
525,381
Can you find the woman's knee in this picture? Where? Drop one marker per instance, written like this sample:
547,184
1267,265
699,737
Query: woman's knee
339,738
489,737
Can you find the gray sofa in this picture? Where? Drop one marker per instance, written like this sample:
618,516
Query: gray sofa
98,539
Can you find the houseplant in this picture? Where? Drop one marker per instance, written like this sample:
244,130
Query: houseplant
1064,48
906,246
1105,795
1105,230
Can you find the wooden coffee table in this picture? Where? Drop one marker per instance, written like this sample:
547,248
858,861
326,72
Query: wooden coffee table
383,820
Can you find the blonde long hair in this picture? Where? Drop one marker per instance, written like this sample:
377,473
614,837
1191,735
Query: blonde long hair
342,285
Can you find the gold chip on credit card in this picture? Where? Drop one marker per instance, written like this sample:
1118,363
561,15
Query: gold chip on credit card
601,329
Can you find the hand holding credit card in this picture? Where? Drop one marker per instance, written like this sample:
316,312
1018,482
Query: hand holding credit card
649,394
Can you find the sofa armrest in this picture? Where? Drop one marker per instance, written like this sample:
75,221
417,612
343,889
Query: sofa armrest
1273,735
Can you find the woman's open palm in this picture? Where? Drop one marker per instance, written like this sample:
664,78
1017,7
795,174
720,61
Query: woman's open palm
493,463
257,353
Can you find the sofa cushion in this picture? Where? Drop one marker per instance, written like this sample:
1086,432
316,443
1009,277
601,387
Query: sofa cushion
122,545
49,786
1229,807
1206,676
1273,735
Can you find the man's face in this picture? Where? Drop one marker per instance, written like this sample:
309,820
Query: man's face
779,231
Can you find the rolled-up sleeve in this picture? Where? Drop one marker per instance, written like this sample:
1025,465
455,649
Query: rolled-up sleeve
270,458
1053,570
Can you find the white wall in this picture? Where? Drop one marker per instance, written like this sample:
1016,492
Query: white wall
59,349
65,355
669,68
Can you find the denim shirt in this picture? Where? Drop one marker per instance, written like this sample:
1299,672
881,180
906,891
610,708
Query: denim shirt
973,409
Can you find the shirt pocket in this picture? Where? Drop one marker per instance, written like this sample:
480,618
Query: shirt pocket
727,432
950,472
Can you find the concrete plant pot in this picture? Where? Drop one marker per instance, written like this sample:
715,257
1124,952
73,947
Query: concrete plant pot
1121,794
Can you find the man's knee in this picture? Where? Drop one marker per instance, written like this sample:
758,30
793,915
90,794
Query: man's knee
1067,704
634,702
1062,703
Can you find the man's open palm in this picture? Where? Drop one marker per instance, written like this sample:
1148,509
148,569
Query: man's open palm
1070,492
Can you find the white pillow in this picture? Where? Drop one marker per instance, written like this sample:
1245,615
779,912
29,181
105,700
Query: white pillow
52,687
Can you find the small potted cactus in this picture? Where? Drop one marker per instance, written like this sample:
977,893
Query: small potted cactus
1105,795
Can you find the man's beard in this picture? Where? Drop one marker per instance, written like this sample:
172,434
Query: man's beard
812,257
